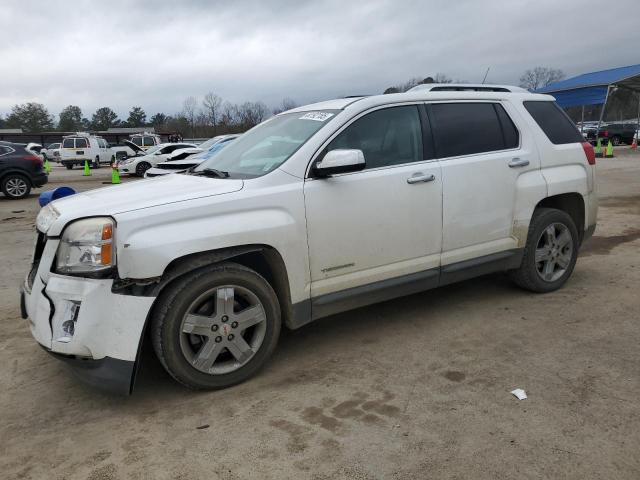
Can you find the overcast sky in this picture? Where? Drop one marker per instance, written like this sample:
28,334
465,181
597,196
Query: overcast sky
156,53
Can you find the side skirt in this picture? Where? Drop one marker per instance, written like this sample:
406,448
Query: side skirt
336,302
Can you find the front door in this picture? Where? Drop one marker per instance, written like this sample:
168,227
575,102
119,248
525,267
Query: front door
371,229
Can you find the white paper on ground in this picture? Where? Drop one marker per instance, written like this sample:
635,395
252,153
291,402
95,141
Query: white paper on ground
519,393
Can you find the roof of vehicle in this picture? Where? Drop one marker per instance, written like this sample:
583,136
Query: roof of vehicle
424,94
144,134
81,134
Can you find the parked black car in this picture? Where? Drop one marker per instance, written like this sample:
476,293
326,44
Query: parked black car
20,170
616,132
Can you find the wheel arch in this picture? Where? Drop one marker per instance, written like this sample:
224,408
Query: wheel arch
264,259
571,203
17,171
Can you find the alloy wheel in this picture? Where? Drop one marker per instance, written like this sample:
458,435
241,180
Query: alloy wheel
554,252
223,329
16,187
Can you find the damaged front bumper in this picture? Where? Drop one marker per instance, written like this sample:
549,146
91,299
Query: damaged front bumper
81,321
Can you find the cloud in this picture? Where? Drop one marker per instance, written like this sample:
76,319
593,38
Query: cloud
156,53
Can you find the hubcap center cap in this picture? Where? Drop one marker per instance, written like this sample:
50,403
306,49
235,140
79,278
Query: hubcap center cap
226,329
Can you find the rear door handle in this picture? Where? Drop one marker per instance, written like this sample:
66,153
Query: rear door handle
518,162
420,178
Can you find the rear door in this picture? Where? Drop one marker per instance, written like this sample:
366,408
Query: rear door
482,154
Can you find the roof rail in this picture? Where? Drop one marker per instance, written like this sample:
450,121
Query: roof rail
464,87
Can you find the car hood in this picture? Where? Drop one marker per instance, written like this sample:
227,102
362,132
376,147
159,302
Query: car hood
138,195
180,151
134,147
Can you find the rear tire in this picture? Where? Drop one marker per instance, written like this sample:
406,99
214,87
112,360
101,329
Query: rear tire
550,253
204,322
141,168
616,140
15,186
69,166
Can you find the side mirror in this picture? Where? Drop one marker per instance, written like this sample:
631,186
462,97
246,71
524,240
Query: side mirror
339,161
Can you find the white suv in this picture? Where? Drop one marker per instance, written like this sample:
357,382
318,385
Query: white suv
318,210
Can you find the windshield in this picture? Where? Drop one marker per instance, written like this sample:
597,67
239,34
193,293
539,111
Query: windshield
152,150
267,146
206,145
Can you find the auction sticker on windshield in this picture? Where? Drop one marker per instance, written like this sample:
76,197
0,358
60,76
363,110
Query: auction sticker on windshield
317,116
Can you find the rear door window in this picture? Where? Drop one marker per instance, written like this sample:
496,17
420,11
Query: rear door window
509,130
148,142
137,141
555,124
471,128
68,143
82,143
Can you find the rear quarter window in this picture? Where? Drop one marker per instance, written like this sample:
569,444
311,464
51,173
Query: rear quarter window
555,124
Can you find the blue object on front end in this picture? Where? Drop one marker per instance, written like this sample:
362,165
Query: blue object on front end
50,195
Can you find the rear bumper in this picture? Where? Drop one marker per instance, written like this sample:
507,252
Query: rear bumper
73,161
589,231
39,179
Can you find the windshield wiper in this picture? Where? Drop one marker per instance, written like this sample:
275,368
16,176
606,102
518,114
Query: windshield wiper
211,172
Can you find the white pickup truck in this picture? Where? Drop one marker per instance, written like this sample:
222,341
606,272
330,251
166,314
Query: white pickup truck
318,210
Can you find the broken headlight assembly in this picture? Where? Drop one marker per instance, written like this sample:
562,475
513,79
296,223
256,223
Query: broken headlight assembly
87,247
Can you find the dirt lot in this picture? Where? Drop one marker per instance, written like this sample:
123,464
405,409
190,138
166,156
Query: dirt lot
412,388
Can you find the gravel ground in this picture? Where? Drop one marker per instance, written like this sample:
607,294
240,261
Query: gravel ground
412,388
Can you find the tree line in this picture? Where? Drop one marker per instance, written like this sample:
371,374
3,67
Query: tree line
211,116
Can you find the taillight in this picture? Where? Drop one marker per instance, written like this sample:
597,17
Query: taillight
33,158
589,153
605,133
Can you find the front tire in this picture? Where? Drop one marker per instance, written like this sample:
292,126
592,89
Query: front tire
141,168
15,186
216,327
550,253
69,166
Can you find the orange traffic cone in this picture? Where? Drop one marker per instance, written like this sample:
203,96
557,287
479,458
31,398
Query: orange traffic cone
634,144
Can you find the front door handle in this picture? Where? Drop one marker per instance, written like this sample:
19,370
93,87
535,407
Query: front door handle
420,178
518,162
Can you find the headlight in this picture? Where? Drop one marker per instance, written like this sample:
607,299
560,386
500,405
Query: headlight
46,217
86,246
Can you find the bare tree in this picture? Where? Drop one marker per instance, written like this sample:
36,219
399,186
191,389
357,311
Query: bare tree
287,104
212,104
441,78
412,82
189,112
229,115
539,77
249,114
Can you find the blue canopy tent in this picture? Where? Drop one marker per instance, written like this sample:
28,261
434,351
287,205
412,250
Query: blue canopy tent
594,88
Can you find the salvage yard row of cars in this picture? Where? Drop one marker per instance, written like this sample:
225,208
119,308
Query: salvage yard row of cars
22,166
318,210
